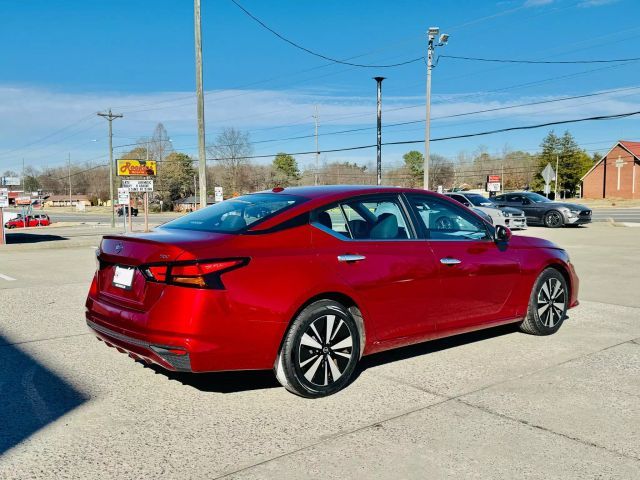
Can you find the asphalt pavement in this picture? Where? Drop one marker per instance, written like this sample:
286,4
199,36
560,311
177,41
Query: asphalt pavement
493,404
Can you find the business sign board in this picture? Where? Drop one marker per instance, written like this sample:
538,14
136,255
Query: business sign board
123,196
23,201
217,194
138,185
493,183
136,168
4,198
9,181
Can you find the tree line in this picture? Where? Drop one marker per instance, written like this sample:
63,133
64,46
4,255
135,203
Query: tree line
229,166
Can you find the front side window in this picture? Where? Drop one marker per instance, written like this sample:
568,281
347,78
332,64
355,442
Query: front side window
514,198
236,214
366,219
443,220
537,198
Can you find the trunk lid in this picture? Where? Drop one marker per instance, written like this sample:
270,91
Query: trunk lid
128,252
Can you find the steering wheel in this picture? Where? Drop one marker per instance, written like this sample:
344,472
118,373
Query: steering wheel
444,223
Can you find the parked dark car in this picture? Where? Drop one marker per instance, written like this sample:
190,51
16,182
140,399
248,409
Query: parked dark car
122,210
542,211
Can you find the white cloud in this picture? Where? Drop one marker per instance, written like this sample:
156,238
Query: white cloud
27,114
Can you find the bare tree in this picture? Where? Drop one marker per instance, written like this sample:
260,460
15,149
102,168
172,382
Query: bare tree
232,149
160,144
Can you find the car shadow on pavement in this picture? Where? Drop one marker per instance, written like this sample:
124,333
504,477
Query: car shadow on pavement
31,396
433,346
13,238
222,382
231,382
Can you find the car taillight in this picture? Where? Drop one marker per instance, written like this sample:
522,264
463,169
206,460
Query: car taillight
199,274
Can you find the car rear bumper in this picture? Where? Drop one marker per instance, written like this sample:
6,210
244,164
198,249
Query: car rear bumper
188,329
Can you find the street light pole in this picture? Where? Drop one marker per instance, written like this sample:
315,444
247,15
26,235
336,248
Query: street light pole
431,35
202,154
315,176
110,117
379,136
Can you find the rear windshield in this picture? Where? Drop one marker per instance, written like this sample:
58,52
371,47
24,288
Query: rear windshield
236,214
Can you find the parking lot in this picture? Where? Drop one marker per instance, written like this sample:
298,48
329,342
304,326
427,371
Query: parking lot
492,404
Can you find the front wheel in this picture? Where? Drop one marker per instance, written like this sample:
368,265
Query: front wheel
553,219
547,304
320,351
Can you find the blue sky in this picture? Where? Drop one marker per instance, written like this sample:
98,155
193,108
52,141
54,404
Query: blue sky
62,61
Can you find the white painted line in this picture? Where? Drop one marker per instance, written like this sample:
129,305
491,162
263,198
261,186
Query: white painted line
7,278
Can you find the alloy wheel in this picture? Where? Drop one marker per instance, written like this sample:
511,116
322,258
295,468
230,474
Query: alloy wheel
554,219
326,349
551,302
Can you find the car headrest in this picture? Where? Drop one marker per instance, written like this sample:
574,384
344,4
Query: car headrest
386,227
359,228
233,222
325,219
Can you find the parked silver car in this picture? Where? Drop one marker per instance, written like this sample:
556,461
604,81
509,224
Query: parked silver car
513,218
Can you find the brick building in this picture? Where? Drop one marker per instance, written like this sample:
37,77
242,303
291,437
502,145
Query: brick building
616,175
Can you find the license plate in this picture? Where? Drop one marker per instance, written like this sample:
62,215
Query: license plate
123,277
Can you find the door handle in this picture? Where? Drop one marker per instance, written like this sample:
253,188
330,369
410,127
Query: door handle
351,258
450,261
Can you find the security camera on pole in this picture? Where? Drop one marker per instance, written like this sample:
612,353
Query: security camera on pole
444,38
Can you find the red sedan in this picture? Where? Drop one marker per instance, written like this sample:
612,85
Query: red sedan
307,280
37,220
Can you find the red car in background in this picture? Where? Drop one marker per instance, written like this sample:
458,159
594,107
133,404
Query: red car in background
36,220
307,280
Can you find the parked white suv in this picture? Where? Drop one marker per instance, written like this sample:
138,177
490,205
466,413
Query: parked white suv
513,218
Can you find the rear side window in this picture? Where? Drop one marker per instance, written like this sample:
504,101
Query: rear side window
236,214
366,219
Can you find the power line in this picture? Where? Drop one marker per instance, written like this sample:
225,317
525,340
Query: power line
534,62
453,137
316,54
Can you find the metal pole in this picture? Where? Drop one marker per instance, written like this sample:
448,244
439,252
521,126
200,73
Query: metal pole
315,176
379,145
110,117
427,126
555,190
69,165
202,165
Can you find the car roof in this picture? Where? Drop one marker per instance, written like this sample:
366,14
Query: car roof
316,196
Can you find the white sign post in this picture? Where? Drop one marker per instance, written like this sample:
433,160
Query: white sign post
124,199
548,174
141,186
4,203
217,194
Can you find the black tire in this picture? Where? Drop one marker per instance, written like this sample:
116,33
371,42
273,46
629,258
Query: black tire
309,364
548,304
553,219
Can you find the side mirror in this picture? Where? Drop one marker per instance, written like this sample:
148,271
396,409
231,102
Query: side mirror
526,201
503,234
466,204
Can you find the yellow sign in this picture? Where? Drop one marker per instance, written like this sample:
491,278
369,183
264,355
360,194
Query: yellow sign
136,168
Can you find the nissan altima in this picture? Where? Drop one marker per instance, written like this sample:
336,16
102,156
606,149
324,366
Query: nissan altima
307,280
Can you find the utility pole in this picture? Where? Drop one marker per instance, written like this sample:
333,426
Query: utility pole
379,144
110,117
315,175
69,168
23,189
444,38
202,154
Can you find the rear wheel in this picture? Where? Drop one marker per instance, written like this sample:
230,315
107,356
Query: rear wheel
553,219
320,351
547,304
